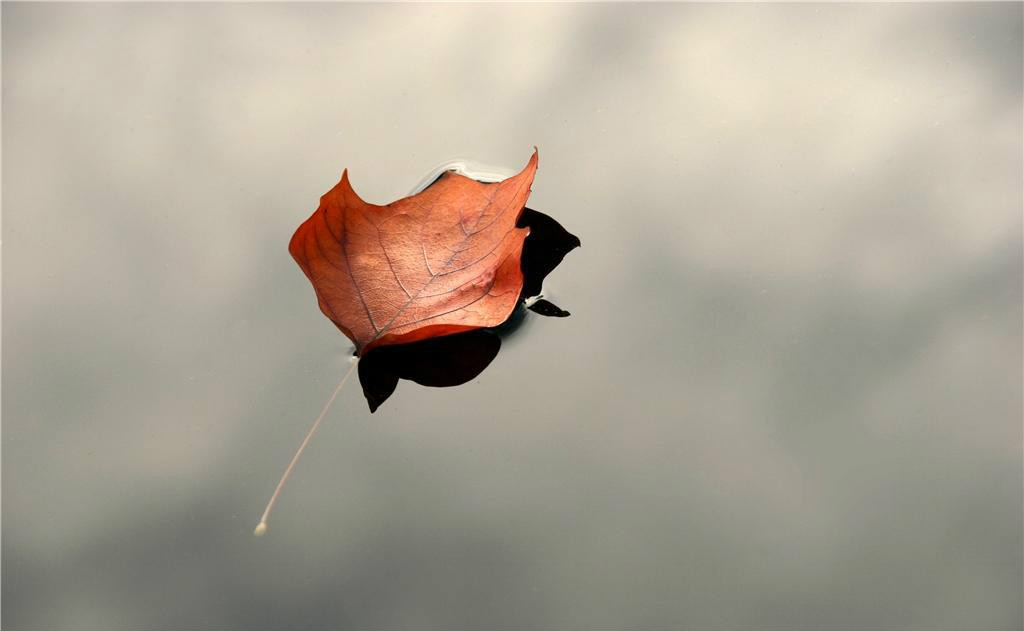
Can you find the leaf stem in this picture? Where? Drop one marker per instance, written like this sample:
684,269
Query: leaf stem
261,527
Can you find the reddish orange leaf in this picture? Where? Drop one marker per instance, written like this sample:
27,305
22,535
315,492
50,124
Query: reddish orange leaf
439,262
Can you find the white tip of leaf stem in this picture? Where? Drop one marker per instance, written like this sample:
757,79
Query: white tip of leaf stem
261,529
529,302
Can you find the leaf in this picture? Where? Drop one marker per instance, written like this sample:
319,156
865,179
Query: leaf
453,360
443,261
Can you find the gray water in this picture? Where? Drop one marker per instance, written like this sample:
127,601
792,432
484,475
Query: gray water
788,397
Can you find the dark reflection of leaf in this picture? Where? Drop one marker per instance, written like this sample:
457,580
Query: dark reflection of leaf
544,249
545,308
453,360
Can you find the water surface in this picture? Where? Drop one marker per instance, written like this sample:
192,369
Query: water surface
788,396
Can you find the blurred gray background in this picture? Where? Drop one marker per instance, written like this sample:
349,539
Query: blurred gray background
789,395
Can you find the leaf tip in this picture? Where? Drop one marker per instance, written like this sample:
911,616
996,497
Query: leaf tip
346,190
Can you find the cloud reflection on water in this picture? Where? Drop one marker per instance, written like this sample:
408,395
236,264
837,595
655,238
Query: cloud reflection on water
789,395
